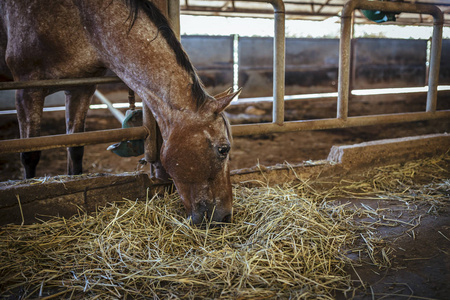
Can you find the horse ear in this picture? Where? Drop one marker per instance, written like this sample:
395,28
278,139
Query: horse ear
219,104
226,92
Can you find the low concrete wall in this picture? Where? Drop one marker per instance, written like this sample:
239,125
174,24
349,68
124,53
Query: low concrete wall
24,202
311,65
401,150
212,56
388,63
444,70
66,195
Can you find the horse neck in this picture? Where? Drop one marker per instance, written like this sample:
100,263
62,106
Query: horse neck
142,58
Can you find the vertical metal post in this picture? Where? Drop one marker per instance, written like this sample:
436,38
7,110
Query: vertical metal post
344,61
131,99
174,16
150,143
162,5
278,62
435,60
351,83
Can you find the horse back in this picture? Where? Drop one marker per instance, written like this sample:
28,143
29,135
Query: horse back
43,39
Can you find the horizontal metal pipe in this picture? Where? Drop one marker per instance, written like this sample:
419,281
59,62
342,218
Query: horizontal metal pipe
13,85
300,3
250,129
72,140
393,7
135,133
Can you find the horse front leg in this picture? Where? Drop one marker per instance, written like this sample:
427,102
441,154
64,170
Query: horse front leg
29,105
77,105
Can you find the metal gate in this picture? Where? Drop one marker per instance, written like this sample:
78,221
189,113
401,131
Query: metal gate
278,124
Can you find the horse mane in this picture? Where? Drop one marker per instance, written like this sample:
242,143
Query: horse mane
161,22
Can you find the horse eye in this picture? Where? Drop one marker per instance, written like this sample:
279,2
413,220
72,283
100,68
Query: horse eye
223,150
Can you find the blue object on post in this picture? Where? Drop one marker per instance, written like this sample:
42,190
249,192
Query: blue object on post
133,118
379,16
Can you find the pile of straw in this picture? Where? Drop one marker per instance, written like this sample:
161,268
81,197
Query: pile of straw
285,241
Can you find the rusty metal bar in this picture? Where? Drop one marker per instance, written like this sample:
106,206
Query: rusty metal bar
115,135
72,140
344,65
251,129
15,85
344,47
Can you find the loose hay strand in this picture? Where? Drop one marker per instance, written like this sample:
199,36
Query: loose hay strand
285,241
21,211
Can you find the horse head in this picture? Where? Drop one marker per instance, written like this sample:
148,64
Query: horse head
196,156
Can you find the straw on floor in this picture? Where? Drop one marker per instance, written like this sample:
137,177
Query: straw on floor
285,241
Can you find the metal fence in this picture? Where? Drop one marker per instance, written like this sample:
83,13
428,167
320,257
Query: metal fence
278,125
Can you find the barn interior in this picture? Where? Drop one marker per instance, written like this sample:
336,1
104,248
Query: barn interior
385,167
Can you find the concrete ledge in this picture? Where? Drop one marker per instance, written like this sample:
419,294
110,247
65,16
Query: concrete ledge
273,175
390,151
24,201
65,195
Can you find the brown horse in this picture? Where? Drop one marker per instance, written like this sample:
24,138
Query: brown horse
43,39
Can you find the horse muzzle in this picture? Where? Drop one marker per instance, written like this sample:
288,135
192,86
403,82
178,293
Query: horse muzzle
215,216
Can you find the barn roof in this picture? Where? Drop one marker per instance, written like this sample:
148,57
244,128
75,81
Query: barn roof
318,10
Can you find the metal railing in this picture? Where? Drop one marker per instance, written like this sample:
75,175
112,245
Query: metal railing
278,125
342,120
344,48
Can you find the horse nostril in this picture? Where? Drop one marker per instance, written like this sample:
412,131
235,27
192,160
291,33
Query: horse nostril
196,219
227,219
